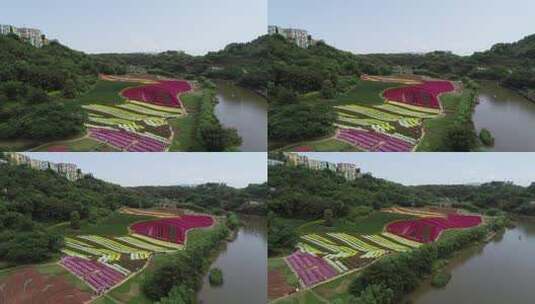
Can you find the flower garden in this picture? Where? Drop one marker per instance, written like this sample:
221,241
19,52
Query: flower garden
323,256
396,125
172,230
163,93
141,123
104,262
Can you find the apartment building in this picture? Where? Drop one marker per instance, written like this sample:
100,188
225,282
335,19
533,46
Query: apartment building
33,36
300,37
348,171
69,171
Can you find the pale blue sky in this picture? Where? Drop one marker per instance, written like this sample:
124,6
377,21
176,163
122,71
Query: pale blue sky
140,169
441,168
377,26
96,26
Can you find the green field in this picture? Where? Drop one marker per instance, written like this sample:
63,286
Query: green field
436,130
104,92
325,145
115,224
370,224
365,93
184,128
82,145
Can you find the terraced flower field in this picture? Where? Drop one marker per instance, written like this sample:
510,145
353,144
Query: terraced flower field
396,125
322,256
140,124
104,262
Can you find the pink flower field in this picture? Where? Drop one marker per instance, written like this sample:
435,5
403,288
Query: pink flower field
422,95
172,229
427,230
373,141
163,93
98,275
310,269
127,141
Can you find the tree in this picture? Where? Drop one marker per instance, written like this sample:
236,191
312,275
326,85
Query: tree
461,138
69,89
328,217
327,89
75,220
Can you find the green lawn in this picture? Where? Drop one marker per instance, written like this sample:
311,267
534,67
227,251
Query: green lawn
81,145
366,93
325,145
184,127
116,224
338,289
370,224
436,130
305,297
104,92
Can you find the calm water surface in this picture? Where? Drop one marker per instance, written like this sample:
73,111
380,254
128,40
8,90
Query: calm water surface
247,112
509,116
503,271
244,264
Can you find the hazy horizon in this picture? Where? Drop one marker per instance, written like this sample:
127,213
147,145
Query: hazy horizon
193,26
167,169
412,26
440,168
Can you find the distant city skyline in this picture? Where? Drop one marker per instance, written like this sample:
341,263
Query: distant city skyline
440,168
167,169
393,26
119,26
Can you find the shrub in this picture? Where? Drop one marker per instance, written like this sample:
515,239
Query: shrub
440,279
215,277
486,137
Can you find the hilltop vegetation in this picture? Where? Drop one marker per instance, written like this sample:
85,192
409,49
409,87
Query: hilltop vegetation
212,197
247,64
512,64
33,81
31,200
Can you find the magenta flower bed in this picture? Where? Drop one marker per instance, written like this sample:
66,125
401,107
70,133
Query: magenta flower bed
422,95
303,149
127,141
172,229
373,141
427,230
98,275
310,269
163,93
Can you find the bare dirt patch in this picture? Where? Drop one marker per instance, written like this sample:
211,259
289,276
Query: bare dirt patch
277,285
28,286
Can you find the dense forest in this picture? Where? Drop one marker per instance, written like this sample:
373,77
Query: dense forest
511,64
31,200
247,64
211,197
33,81
298,192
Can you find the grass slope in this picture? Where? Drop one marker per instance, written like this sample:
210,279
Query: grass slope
436,130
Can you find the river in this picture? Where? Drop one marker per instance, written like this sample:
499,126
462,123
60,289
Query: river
499,272
244,266
247,112
509,116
